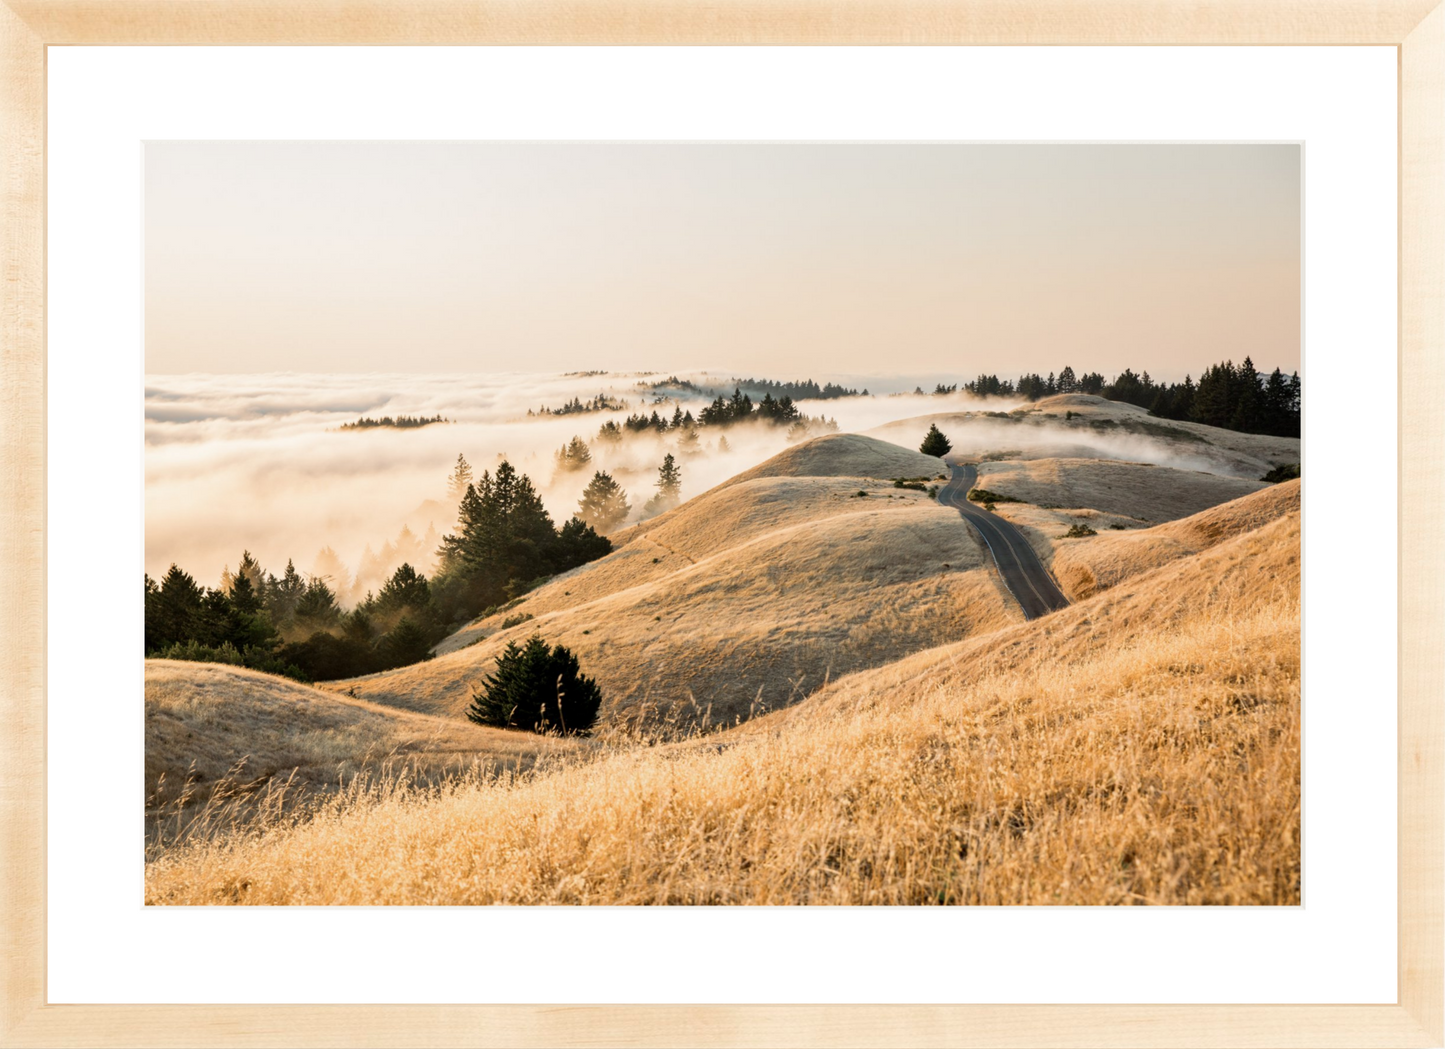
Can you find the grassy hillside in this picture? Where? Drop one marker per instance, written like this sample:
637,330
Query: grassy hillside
838,583
1085,566
1141,491
202,719
1141,746
1079,426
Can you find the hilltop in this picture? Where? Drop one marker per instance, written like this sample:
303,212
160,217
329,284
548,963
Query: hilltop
744,599
1080,426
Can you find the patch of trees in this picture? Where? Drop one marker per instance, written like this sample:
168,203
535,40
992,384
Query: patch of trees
291,625
400,422
781,411
802,390
538,688
505,543
1234,397
577,406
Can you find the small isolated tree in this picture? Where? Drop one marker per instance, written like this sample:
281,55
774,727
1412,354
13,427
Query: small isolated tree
935,443
722,444
669,487
460,478
604,504
538,688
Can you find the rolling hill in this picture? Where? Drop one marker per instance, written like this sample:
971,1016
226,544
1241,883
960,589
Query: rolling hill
1140,746
1080,426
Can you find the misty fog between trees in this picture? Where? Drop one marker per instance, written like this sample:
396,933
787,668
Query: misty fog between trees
263,462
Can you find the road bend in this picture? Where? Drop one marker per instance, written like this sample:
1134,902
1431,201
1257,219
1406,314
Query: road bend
1022,571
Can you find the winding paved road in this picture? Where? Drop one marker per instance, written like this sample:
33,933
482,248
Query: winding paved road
1022,571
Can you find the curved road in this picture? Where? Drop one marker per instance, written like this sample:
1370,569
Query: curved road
1022,571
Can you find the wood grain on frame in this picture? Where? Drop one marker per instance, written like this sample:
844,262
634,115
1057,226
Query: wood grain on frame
28,26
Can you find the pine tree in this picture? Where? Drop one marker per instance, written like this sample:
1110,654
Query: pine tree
669,488
935,443
404,644
173,610
461,476
316,610
722,444
538,688
687,442
578,543
1067,382
283,594
574,455
405,589
610,432
604,504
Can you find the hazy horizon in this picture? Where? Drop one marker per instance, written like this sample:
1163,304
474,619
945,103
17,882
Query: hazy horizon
881,261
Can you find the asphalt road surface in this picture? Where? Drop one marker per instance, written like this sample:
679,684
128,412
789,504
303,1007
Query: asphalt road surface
1022,571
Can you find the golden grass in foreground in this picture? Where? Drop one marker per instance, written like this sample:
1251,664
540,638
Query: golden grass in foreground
1142,746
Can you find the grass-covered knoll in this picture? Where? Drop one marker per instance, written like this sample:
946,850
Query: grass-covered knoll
1139,490
844,455
1083,569
754,626
201,719
1141,746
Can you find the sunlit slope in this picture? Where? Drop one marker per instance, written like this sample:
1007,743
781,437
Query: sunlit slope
1140,491
845,455
201,719
1085,427
1141,746
755,626
1085,566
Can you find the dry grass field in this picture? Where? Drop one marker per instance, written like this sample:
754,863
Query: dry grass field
1141,746
846,707
1140,491
752,627
211,727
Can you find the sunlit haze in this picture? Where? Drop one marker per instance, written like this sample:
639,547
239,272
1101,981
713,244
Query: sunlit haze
785,259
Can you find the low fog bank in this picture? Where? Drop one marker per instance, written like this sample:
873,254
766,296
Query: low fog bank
1051,439
259,462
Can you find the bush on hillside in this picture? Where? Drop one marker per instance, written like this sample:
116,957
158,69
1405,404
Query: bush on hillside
538,688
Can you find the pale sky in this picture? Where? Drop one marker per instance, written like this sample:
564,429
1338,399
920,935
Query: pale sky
784,260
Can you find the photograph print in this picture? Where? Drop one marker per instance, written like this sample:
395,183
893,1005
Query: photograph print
722,523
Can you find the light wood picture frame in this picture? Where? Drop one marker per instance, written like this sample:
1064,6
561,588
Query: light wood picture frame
1415,27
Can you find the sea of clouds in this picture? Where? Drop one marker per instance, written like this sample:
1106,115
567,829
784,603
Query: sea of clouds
260,462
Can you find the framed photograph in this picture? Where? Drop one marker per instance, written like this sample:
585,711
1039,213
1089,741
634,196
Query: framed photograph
828,524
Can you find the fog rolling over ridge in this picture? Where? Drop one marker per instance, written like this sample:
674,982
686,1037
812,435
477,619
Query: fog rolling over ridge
260,462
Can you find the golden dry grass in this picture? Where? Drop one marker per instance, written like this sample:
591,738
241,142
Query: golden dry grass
1139,747
1085,566
830,583
202,720
845,455
1141,491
